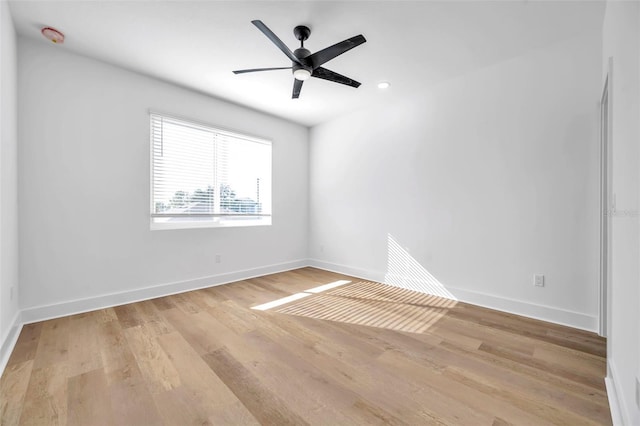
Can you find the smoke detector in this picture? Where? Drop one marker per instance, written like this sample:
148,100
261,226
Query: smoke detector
53,35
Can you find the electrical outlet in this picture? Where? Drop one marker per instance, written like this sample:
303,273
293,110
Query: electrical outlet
218,258
538,280
321,249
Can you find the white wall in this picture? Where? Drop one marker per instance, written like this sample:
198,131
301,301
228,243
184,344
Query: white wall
621,42
8,184
84,180
470,187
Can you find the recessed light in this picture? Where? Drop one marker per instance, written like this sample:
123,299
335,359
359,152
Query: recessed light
384,85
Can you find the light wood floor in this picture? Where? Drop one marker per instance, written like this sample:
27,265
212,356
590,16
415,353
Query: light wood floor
359,353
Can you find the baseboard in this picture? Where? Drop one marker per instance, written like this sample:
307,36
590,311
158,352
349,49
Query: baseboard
9,341
71,307
347,270
527,309
518,307
617,406
614,404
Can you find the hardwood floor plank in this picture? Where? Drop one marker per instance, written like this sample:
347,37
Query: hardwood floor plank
265,406
577,339
548,378
566,372
350,351
224,313
114,349
152,317
128,316
589,364
375,415
46,396
472,406
163,303
208,392
88,401
205,299
131,401
104,316
27,344
183,302
13,387
156,367
84,351
306,386
196,329
486,335
523,399
53,345
300,383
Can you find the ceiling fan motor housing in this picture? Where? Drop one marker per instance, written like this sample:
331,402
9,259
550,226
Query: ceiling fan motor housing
301,53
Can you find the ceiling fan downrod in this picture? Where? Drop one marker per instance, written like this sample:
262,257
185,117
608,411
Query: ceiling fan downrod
301,33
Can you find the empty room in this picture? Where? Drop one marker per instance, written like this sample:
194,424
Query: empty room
319,212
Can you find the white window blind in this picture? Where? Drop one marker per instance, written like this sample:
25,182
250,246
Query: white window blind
202,176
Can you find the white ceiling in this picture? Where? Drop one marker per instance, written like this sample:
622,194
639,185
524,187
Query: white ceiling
197,44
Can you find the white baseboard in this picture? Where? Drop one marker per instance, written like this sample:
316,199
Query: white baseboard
9,341
519,307
619,414
347,270
527,309
614,406
71,307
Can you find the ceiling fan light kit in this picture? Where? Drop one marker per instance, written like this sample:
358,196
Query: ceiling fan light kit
301,74
304,64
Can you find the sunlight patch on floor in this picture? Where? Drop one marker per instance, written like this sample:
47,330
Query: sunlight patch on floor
326,287
298,296
365,303
279,302
375,305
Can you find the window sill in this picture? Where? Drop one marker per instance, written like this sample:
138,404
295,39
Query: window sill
165,224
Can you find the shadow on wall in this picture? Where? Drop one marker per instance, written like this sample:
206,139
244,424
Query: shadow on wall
405,272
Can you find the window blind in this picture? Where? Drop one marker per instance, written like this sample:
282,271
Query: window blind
203,174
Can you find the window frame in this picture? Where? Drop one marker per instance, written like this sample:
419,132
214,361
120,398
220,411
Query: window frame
248,220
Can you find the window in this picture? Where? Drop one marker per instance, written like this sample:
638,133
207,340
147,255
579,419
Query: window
203,177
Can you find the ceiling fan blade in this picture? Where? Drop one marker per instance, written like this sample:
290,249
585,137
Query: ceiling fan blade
260,69
326,74
275,40
297,86
325,55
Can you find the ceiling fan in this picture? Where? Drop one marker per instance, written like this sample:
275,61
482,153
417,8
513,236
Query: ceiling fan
304,63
